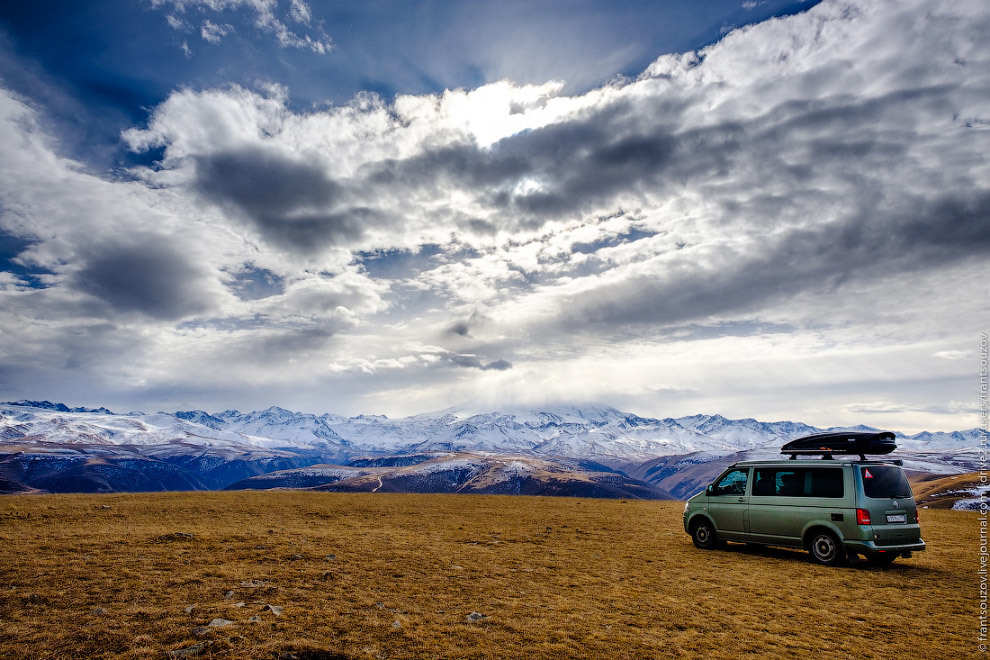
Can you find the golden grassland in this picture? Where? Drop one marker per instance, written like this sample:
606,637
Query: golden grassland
398,576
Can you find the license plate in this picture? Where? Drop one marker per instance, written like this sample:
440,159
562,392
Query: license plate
896,517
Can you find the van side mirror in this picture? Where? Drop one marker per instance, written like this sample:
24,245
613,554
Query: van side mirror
711,487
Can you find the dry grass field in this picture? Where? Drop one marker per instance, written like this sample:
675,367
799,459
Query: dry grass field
399,576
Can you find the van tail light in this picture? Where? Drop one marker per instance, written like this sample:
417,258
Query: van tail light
862,517
917,516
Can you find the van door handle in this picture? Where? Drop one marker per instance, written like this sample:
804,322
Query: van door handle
742,499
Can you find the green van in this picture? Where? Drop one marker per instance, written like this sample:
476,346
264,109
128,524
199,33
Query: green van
835,509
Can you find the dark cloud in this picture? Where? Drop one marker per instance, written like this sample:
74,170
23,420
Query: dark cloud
472,362
149,276
293,204
464,361
908,234
641,150
71,361
577,164
959,225
287,343
482,227
462,328
847,212
467,326
261,181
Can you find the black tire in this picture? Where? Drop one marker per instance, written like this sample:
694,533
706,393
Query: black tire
703,534
881,560
825,548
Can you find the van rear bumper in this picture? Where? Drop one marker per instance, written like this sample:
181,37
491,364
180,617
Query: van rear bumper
870,548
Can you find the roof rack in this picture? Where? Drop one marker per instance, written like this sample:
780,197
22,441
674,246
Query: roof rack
843,443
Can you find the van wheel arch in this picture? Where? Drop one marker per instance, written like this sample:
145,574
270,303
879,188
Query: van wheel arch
824,546
707,538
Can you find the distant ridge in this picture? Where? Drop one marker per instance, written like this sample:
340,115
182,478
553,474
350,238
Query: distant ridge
58,407
52,447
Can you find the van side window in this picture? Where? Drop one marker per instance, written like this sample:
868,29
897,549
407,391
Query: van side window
765,483
824,482
798,482
787,483
733,483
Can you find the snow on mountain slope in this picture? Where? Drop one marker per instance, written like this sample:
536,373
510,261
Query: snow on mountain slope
93,428
232,444
745,433
596,432
940,441
277,427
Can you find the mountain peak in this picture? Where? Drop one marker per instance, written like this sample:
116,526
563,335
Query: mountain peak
57,407
44,405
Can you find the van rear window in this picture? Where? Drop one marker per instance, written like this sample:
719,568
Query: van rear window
880,481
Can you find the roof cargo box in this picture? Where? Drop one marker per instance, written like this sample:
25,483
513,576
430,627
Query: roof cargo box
841,442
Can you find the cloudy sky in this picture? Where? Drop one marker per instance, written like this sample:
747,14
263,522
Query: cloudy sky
756,208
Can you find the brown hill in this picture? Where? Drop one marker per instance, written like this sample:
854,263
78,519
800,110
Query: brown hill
461,472
941,492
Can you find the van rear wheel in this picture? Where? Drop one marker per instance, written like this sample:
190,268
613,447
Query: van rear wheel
826,549
704,536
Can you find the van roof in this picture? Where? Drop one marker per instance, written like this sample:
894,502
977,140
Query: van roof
815,462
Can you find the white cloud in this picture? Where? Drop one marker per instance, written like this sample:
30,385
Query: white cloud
213,33
266,19
175,22
300,12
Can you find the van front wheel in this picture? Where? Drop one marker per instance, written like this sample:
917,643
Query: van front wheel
826,549
704,536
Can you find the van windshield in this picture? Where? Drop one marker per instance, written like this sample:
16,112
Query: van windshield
881,481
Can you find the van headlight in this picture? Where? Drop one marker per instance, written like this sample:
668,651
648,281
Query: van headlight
686,505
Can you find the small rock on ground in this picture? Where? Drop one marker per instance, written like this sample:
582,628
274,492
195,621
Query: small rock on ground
274,609
253,583
476,616
189,651
219,623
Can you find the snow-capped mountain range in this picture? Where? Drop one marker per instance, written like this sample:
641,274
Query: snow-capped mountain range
216,449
